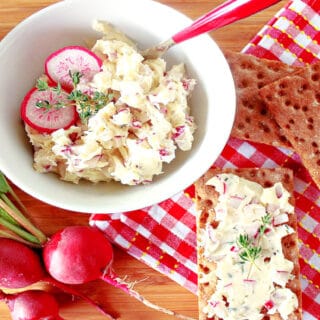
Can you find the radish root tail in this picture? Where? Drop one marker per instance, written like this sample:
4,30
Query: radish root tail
115,281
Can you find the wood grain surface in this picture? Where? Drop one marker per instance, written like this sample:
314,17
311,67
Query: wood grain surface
155,286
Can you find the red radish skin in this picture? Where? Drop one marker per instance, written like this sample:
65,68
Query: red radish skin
79,254
33,305
71,59
20,266
47,121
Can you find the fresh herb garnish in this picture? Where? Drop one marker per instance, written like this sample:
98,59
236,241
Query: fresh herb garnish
250,249
266,220
86,104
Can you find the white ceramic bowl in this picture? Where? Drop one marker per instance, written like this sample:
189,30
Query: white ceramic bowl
22,55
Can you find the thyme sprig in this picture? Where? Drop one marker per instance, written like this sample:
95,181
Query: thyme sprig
250,249
86,104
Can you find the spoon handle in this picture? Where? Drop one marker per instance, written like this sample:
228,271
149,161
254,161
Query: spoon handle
226,13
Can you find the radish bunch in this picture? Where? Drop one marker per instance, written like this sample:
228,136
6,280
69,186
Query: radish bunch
74,255
20,266
51,106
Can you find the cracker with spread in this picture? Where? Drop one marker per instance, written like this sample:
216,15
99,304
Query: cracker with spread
247,245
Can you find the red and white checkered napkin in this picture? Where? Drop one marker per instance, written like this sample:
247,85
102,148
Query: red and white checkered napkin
163,235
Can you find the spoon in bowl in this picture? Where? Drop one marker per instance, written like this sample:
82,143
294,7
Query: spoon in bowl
226,13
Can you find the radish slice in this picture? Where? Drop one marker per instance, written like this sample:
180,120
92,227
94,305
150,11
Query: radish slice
47,121
72,59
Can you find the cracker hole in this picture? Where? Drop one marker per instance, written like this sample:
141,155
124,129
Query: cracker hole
310,127
260,75
302,140
268,97
264,127
318,97
214,224
240,126
318,162
244,84
296,107
273,68
281,93
291,121
283,138
310,120
305,108
245,65
282,85
260,85
287,103
303,88
314,144
288,126
263,111
289,244
245,102
268,184
247,136
204,217
266,259
205,269
315,77
248,120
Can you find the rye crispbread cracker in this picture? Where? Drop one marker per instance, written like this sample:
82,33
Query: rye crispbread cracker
206,200
294,102
253,121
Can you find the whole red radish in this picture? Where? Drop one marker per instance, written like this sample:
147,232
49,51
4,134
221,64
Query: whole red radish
79,254
33,305
68,60
19,265
47,120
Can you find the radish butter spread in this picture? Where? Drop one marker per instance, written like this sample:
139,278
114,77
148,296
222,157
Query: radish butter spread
132,115
246,248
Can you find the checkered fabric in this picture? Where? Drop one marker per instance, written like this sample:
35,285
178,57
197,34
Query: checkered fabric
163,235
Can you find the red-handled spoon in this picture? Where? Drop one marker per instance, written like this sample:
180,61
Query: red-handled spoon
228,12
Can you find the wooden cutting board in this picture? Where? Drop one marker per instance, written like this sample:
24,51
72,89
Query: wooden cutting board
155,286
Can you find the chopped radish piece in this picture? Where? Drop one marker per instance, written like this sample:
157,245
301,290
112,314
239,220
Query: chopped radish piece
269,304
62,62
44,120
280,219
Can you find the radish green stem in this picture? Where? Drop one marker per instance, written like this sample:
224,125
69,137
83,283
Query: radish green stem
23,221
17,230
13,236
16,215
7,216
